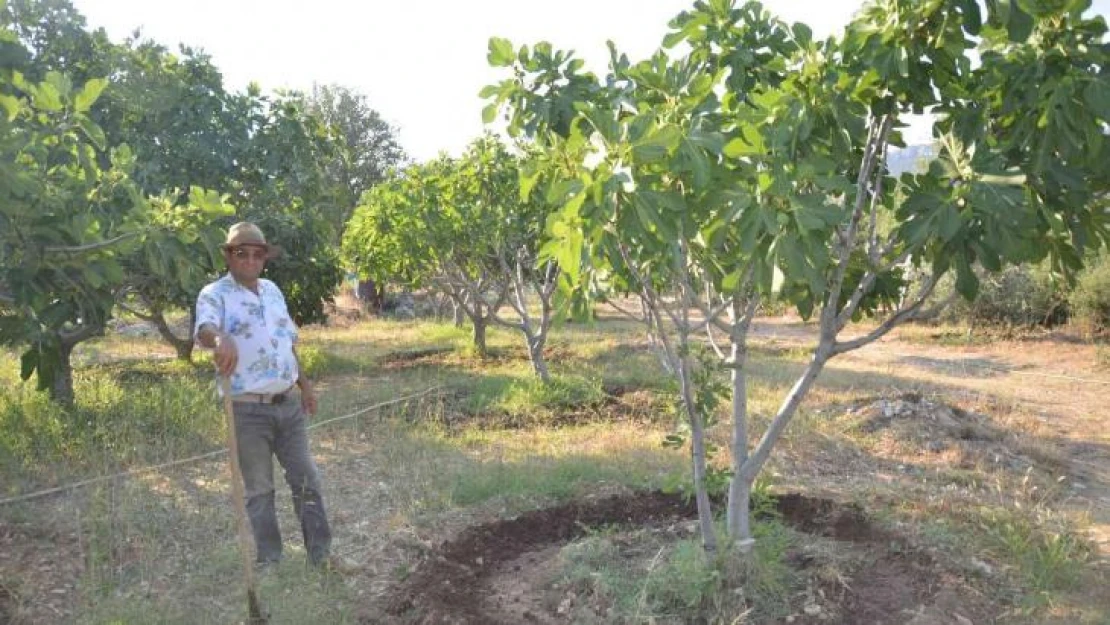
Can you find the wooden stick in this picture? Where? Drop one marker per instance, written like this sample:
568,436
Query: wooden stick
254,606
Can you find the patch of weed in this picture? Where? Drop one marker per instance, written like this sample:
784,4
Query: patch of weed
647,576
1047,558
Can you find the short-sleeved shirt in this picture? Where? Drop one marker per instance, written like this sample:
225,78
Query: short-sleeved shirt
262,329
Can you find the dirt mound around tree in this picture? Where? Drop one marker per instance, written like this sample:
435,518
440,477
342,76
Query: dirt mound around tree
485,575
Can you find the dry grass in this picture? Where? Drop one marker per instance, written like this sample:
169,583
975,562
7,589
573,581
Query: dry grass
402,479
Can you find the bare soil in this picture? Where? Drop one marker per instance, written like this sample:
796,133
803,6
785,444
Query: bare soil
1051,388
497,573
48,568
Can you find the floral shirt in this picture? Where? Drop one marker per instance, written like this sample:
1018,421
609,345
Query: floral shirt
263,331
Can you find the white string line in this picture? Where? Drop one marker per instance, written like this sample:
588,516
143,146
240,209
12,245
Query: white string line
80,484
211,454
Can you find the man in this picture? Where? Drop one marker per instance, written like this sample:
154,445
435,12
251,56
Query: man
244,319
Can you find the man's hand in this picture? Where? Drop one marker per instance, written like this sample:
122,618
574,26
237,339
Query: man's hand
225,354
308,396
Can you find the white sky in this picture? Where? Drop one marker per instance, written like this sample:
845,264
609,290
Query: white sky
420,63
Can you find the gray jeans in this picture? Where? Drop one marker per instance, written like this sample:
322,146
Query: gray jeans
265,431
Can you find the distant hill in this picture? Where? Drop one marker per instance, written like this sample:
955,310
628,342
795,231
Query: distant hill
912,158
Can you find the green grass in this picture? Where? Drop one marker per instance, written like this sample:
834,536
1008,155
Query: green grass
558,477
519,469
124,415
290,593
645,577
1046,558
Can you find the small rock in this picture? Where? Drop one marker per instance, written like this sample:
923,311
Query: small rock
812,609
564,605
961,619
982,567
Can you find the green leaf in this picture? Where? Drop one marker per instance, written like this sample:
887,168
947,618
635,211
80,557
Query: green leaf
1045,8
751,227
649,219
86,156
500,52
1020,24
672,39
713,142
973,19
89,94
950,222
967,283
657,145
1097,96
570,254
92,131
741,147
46,97
731,281
489,113
665,200
802,34
694,160
808,219
789,252
674,441
11,105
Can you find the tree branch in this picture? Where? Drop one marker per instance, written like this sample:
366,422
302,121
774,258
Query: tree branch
627,313
709,327
80,334
91,247
709,315
134,311
863,288
876,197
904,314
876,137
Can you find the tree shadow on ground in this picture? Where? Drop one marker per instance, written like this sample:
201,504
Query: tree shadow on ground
966,367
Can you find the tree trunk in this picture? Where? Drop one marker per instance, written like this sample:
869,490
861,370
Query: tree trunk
480,324
697,449
183,347
740,488
740,513
61,390
535,353
786,412
370,295
457,313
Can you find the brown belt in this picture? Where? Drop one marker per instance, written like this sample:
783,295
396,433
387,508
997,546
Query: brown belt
262,398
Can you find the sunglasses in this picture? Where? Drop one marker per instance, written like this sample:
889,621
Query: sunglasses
244,253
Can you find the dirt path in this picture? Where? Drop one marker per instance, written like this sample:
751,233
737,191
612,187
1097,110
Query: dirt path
1052,388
